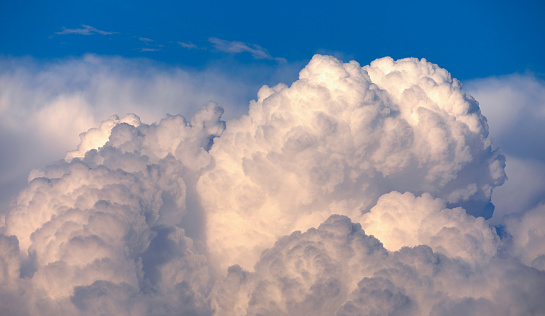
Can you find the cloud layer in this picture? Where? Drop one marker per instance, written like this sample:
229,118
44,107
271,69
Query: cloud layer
353,191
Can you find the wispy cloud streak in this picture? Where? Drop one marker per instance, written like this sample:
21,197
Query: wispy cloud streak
188,45
85,30
150,45
236,47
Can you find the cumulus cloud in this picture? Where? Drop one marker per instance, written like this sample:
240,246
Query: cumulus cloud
337,269
85,30
335,141
44,106
403,220
353,191
113,219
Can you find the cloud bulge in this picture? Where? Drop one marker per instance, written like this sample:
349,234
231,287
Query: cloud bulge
352,191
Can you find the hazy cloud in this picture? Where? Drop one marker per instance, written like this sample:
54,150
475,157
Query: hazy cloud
515,102
515,108
528,236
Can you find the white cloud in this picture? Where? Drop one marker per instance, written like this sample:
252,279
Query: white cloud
403,220
85,30
337,269
114,221
97,137
198,216
45,106
236,47
334,142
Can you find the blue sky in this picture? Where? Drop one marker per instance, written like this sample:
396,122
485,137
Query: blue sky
472,39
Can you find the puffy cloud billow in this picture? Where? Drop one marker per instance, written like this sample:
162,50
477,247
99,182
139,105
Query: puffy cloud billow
353,191
45,105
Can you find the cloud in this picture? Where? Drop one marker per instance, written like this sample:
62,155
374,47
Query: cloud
150,45
236,47
124,205
403,220
352,191
337,269
528,235
335,141
514,102
188,45
44,106
85,30
147,49
514,106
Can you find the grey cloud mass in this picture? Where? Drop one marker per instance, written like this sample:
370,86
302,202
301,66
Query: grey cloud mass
352,191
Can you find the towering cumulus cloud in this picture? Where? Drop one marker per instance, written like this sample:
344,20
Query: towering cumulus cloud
354,191
336,140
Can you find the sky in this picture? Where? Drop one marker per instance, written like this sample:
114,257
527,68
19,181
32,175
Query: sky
272,158
473,39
